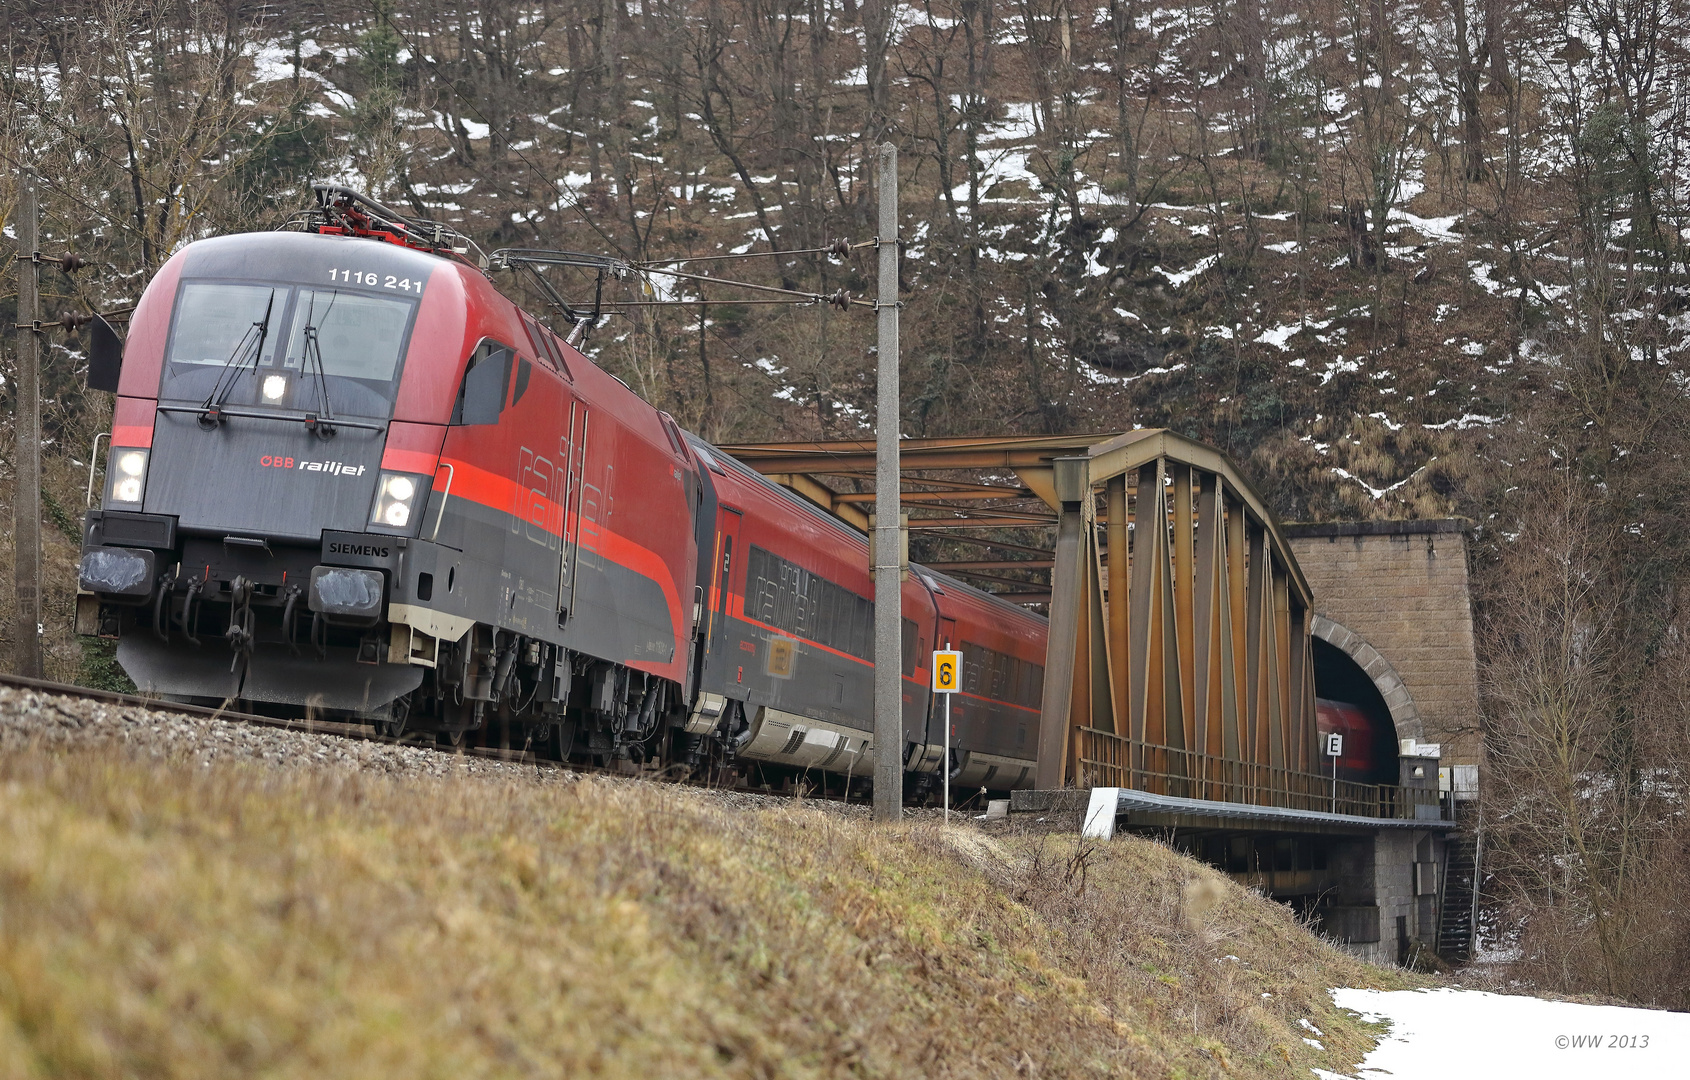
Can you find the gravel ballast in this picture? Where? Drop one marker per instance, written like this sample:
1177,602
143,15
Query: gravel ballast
40,718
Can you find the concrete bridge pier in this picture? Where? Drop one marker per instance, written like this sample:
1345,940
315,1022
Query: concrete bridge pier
1372,885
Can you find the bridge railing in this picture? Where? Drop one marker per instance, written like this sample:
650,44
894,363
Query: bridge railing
1109,760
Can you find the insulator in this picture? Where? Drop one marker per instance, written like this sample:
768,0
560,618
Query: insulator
840,300
73,320
841,248
71,262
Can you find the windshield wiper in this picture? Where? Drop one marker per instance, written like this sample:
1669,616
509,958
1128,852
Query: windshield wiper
322,426
211,413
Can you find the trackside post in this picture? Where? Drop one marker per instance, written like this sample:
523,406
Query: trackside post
947,680
26,499
888,590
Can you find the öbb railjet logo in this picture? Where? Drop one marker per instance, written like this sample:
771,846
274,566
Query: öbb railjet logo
335,468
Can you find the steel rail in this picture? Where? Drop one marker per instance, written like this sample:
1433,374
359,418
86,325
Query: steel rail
367,733
309,727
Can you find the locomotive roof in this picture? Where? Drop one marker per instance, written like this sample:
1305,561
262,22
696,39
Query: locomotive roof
296,256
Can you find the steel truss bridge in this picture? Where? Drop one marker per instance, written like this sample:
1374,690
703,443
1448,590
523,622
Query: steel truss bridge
1179,660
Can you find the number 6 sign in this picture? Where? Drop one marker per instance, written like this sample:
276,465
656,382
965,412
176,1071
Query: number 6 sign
947,680
947,671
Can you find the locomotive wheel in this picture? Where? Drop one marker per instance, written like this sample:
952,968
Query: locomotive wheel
453,737
395,728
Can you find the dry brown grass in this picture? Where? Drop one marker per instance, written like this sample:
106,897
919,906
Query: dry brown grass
175,921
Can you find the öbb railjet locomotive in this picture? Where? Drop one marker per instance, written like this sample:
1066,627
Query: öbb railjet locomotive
347,476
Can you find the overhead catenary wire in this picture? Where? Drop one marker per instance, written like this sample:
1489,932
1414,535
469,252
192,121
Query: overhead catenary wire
797,301
841,248
839,299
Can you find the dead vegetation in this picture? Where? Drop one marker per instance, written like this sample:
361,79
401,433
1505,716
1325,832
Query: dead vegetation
165,919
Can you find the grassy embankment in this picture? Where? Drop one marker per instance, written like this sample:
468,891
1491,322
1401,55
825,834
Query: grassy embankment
168,920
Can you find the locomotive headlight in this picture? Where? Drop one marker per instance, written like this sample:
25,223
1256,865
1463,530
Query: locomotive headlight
274,387
127,470
395,495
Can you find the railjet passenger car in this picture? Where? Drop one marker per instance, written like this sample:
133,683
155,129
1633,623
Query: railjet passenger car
347,476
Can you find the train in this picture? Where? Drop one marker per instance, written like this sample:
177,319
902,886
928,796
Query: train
348,477
1368,755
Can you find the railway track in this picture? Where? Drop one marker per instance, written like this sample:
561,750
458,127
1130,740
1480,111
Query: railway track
308,727
368,734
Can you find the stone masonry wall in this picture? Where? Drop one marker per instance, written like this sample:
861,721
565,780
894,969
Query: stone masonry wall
1402,587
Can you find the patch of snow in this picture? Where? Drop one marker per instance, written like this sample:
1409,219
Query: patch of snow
1288,247
1482,278
273,61
1340,366
755,235
1462,423
1450,1033
1093,375
1440,230
1278,336
1201,266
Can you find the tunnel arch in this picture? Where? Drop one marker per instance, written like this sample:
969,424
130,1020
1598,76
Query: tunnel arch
1405,717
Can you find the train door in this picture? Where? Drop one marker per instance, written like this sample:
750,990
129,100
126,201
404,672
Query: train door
727,543
716,671
947,639
573,451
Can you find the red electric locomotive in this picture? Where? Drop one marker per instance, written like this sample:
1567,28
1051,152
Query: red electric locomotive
347,475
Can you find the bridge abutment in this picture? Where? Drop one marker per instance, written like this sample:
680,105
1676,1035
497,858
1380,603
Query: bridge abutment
1372,886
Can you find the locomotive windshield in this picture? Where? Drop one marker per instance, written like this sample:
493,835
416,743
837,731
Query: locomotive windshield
211,320
358,337
319,342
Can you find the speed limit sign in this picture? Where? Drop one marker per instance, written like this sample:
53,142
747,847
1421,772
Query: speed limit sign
947,671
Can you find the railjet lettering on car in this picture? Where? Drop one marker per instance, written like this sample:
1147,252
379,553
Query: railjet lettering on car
337,468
